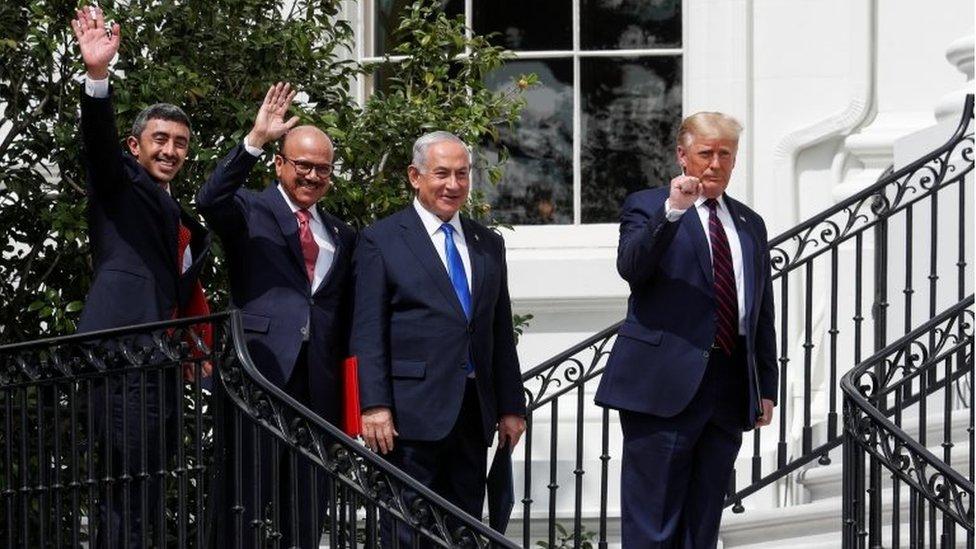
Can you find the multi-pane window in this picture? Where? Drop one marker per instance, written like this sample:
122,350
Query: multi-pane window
602,120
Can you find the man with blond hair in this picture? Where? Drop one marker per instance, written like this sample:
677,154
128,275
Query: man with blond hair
694,363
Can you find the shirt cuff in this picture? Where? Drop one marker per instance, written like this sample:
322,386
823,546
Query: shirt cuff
673,214
96,88
254,151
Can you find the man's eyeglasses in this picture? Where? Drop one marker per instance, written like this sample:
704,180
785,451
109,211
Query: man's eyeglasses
304,168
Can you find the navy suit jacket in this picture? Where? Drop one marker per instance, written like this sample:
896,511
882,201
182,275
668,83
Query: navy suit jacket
269,284
663,346
133,227
411,336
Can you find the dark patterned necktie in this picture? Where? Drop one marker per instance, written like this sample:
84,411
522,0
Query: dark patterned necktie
726,301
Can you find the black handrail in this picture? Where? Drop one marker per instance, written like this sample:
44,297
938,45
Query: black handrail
908,371
61,458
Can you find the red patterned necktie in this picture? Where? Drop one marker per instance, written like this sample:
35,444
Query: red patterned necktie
196,303
726,300
309,248
182,242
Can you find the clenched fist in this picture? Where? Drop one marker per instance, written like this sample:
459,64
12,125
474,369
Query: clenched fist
685,190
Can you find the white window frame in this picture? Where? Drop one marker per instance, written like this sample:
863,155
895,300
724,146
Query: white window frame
364,36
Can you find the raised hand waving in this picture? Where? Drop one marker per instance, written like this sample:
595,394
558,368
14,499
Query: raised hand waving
270,123
98,45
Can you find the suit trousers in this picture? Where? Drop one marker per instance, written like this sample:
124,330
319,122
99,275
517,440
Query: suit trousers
268,469
454,467
676,470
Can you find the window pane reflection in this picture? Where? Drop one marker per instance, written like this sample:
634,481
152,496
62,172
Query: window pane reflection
631,112
537,186
630,24
526,24
386,19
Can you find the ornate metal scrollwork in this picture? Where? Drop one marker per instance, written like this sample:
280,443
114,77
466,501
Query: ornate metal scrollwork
946,166
568,370
947,337
346,461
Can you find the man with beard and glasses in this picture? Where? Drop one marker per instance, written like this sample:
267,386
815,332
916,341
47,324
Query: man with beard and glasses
147,254
289,266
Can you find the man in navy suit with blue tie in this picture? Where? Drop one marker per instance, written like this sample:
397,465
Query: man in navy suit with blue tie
432,331
289,262
694,364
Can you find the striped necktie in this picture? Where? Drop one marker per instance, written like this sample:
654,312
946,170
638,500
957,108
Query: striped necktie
726,300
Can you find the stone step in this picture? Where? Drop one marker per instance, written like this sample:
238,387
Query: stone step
826,481
796,525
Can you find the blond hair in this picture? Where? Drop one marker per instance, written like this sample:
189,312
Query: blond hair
708,124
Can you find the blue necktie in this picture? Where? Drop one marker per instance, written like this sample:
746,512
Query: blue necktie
455,269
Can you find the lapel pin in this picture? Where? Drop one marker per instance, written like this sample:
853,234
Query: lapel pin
335,230
742,217
476,238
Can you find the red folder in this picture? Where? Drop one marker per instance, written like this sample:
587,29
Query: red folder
350,397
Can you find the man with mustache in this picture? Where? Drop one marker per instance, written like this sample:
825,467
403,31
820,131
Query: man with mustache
432,331
694,363
289,266
147,254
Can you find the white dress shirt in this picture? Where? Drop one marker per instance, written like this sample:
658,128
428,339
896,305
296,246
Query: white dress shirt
725,217
98,89
433,225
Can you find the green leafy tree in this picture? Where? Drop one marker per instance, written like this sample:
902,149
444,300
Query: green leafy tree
215,59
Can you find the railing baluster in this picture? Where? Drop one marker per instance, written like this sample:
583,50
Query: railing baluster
199,470
579,471
784,361
807,432
832,332
8,480
43,482
553,468
56,484
74,483
858,291
527,494
604,475
159,457
180,469
144,475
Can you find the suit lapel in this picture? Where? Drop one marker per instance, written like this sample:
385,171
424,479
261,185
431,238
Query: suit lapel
168,209
419,242
691,224
477,254
287,224
749,256
171,225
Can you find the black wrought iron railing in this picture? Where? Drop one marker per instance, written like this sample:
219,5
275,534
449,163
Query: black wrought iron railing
115,435
835,278
908,417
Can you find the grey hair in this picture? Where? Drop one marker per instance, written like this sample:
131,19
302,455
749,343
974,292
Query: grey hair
424,142
159,111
